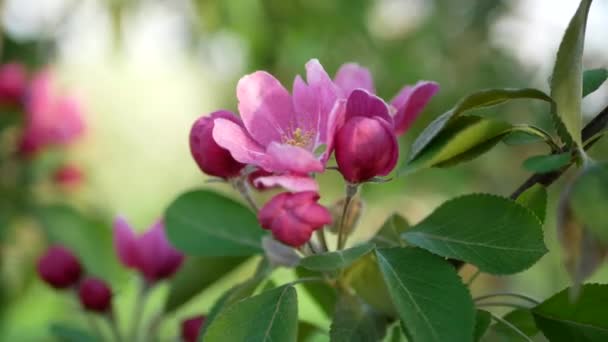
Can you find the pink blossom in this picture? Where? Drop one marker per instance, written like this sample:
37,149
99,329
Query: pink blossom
406,105
293,217
51,118
209,156
150,253
289,136
366,145
13,80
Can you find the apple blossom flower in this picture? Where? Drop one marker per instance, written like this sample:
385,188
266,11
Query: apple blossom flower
150,253
288,135
406,105
59,268
95,295
366,145
209,156
293,217
51,118
191,328
13,81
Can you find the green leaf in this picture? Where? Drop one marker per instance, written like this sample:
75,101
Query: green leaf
395,334
584,320
269,316
366,280
331,261
497,235
323,294
237,293
522,319
547,163
480,99
567,78
429,296
593,79
308,332
521,138
89,238
68,333
535,199
482,322
389,234
589,199
205,223
463,139
353,321
195,275
583,252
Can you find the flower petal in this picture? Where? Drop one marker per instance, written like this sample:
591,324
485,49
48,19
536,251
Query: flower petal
362,103
291,183
266,107
335,121
409,103
235,139
313,102
293,159
351,76
125,243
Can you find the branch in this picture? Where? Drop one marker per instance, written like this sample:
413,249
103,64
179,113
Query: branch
589,131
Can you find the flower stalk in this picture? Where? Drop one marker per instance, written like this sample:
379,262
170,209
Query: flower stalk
351,191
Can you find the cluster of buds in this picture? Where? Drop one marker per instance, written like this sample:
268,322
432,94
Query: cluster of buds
50,118
62,270
149,254
283,140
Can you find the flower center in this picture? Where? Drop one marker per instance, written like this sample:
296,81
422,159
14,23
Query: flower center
299,138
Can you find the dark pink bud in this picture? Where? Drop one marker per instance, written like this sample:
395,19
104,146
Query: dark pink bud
59,268
13,80
210,157
365,144
68,176
191,328
95,295
292,217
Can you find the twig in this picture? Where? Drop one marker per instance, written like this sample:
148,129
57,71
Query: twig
508,294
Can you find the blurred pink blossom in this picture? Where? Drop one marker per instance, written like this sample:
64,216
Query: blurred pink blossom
13,81
50,118
150,253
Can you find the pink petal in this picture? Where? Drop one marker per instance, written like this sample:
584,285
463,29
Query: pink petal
410,102
314,101
266,107
363,103
293,159
335,121
292,183
351,76
235,139
125,243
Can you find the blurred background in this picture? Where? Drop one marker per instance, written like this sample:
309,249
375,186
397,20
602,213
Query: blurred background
144,70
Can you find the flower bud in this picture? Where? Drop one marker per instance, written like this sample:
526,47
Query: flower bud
210,157
191,328
292,217
365,144
68,176
13,81
59,268
95,295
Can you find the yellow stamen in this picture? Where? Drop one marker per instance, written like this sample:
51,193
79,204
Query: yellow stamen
299,138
